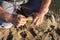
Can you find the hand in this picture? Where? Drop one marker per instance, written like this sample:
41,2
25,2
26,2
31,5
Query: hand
38,19
16,19
22,20
19,20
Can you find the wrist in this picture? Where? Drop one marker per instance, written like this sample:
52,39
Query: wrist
8,17
42,13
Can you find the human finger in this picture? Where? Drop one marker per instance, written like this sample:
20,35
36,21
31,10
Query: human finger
34,20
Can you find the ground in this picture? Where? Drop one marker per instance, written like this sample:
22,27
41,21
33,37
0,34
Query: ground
48,30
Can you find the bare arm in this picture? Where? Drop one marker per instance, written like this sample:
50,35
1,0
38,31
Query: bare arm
43,10
44,6
4,14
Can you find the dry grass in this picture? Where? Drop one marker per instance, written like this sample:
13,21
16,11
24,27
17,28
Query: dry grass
49,30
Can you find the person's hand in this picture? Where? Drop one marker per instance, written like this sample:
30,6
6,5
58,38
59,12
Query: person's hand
16,19
21,20
38,19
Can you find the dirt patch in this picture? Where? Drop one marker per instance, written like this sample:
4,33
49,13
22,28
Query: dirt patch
49,30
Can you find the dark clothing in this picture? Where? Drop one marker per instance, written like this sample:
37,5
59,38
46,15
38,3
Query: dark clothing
30,7
33,5
0,2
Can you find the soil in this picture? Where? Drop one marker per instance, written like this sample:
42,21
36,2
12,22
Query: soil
48,30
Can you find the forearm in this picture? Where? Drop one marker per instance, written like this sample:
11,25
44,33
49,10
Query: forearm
1,16
44,6
3,13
